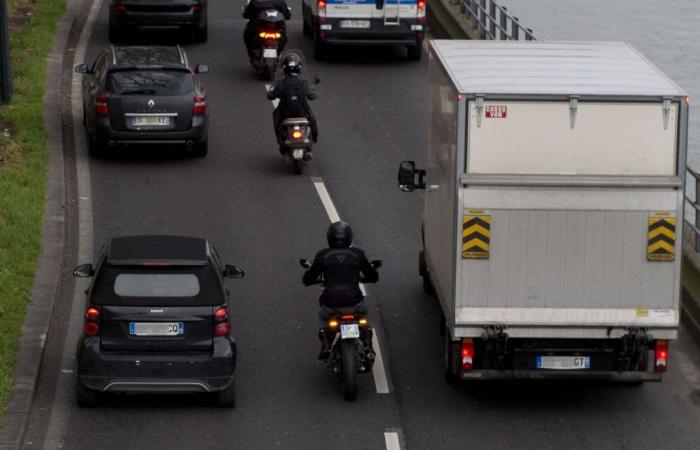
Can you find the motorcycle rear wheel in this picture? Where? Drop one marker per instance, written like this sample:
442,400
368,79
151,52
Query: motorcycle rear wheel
298,166
349,369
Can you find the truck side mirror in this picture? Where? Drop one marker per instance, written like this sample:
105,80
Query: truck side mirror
407,177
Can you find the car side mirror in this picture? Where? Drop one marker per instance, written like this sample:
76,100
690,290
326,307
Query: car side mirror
407,177
377,263
83,271
305,263
82,68
201,68
231,271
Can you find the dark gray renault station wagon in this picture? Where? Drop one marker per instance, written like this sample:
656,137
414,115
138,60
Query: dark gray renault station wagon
157,320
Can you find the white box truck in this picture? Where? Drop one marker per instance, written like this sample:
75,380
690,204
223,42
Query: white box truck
553,201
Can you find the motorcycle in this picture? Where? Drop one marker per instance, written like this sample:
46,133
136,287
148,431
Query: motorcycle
271,36
348,331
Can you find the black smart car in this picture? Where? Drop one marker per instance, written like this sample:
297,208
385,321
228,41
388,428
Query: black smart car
126,15
157,320
144,95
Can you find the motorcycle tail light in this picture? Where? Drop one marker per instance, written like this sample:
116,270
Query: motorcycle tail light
348,317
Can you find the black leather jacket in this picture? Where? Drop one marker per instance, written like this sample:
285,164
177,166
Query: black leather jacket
255,6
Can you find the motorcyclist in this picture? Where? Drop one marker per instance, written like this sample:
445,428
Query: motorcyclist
251,12
342,267
293,93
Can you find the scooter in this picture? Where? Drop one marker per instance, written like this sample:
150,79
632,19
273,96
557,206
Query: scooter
348,331
296,143
271,35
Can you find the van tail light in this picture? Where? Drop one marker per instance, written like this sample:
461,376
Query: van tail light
200,105
101,105
467,354
91,327
322,9
120,8
420,8
661,356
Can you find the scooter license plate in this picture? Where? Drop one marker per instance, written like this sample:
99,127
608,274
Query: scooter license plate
350,331
270,53
298,154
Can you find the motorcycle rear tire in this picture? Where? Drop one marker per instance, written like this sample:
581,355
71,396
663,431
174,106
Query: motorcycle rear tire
298,166
349,369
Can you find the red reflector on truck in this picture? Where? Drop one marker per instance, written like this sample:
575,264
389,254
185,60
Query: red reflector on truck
467,354
661,356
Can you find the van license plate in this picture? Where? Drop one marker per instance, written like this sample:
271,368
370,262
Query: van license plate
563,362
354,24
156,328
270,53
150,121
349,331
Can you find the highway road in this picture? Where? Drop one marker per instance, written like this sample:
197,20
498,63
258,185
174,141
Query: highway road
371,109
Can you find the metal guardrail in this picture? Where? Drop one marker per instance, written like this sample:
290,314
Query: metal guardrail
694,203
493,20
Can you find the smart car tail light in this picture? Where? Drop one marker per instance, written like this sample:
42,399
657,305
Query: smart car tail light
101,105
222,327
91,327
200,105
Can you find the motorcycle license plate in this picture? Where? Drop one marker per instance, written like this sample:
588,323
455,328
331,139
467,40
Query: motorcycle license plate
349,331
298,154
156,328
563,362
270,53
354,24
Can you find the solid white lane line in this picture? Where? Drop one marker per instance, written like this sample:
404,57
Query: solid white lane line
378,371
326,199
274,102
391,439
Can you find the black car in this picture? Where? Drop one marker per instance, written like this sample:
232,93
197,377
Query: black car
157,320
126,15
144,95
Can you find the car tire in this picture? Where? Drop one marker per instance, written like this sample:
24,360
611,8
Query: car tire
227,397
200,149
415,52
201,34
320,48
305,28
116,34
86,398
95,149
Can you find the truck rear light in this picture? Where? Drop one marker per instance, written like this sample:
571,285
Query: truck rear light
221,314
91,328
322,9
200,105
222,329
661,356
467,354
101,105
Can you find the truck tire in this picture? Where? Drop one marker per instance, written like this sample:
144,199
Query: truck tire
86,398
451,372
349,369
428,287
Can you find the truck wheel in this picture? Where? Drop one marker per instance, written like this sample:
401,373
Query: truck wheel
227,397
415,52
428,287
87,398
451,372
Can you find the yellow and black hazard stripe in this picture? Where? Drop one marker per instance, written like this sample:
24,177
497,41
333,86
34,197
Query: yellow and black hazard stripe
476,236
661,238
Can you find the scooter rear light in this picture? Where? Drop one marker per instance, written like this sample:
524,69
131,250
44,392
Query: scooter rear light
348,317
661,356
296,134
200,105
467,354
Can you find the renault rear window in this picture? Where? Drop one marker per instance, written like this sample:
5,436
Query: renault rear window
158,285
150,82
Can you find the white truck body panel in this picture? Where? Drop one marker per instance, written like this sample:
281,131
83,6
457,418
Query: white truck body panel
569,200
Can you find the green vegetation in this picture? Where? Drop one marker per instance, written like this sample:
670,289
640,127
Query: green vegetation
23,170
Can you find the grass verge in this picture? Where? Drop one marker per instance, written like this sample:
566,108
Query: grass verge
23,171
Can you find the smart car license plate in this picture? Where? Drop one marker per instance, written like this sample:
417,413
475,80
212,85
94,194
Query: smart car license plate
354,24
270,53
150,121
563,362
349,331
156,328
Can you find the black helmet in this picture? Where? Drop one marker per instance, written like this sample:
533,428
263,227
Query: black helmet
339,235
292,65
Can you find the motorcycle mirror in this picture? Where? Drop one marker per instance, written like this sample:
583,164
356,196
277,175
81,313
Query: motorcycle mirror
305,263
377,263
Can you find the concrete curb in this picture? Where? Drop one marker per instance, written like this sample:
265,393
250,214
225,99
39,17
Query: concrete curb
50,263
447,21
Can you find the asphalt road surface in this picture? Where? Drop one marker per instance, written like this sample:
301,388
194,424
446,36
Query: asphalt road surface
371,110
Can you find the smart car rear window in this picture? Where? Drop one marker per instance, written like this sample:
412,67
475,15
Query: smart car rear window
150,82
160,285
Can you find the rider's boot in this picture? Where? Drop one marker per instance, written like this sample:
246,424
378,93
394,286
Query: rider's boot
325,345
368,353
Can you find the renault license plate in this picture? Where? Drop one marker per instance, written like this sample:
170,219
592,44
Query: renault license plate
150,121
354,24
563,362
270,53
349,331
156,328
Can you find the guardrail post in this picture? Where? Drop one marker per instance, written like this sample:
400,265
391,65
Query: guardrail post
504,24
492,19
515,31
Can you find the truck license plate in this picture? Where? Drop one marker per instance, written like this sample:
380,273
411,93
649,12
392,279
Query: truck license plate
349,331
156,328
563,362
150,121
354,24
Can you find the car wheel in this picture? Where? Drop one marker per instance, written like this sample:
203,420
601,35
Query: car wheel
116,34
200,149
415,52
201,33
227,397
320,49
305,28
95,149
86,398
